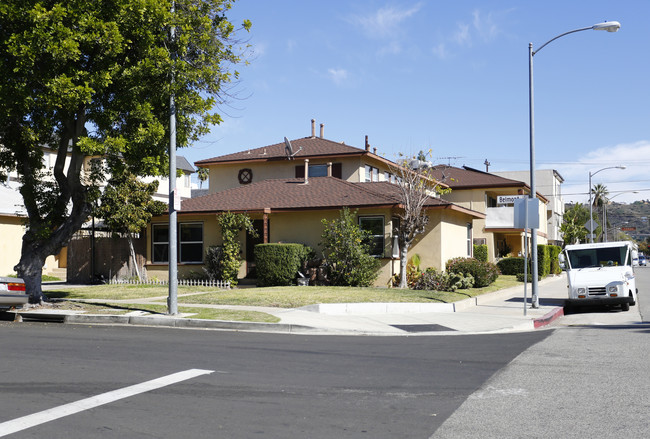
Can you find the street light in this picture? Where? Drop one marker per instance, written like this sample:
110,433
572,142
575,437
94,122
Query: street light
609,26
607,200
591,207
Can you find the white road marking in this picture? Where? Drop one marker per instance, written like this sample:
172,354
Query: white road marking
49,415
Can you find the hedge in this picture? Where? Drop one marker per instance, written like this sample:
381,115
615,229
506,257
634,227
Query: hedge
278,264
481,252
484,273
511,266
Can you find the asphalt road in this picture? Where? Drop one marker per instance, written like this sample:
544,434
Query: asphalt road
588,379
263,385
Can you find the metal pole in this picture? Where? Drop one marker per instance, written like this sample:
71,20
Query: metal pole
591,213
172,300
533,192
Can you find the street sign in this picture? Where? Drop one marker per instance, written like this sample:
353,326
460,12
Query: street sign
628,229
509,199
591,225
523,219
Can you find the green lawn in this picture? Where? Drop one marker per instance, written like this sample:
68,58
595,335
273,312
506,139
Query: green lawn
281,297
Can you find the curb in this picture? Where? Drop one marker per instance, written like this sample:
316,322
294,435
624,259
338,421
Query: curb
172,322
548,317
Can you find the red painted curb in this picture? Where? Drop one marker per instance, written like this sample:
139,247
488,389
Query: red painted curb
549,317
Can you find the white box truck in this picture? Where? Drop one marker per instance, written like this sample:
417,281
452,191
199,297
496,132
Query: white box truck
601,273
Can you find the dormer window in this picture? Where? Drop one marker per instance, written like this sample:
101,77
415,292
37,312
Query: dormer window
372,173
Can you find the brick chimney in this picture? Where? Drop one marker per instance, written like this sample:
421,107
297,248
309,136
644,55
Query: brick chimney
367,144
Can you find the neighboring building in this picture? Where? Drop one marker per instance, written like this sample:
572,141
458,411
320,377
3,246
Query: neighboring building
289,190
548,182
481,191
13,215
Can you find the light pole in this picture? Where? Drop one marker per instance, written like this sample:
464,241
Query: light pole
605,209
591,207
609,26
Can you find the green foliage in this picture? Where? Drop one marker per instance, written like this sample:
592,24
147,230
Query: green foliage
278,264
484,273
95,78
346,252
231,224
554,252
126,204
543,260
481,252
431,279
511,266
573,221
214,263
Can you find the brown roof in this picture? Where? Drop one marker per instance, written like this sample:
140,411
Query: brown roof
294,194
306,147
469,178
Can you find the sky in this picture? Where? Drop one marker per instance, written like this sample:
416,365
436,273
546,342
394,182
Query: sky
450,77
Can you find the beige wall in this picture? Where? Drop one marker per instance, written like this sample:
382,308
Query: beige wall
446,238
11,233
226,176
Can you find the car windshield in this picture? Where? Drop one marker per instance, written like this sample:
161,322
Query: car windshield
597,257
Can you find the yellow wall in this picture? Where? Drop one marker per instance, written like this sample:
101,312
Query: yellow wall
11,233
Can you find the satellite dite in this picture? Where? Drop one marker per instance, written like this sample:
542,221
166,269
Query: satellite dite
288,149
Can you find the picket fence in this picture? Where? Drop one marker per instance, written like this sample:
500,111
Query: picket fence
181,282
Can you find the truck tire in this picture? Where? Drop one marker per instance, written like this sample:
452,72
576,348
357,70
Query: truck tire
625,306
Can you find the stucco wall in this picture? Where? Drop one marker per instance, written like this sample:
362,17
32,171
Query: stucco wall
11,239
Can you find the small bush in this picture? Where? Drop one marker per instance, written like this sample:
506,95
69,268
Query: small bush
214,263
555,262
278,264
543,260
529,277
511,266
431,279
481,252
484,273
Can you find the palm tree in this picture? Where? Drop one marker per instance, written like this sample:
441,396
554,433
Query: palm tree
202,174
600,194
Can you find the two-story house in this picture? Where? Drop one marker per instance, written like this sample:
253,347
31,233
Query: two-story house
288,188
491,195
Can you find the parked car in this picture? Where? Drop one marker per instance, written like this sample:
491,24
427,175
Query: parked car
642,260
12,292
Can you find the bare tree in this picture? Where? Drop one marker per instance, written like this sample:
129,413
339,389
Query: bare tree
417,187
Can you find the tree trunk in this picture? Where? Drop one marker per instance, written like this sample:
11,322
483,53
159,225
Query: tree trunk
133,257
30,269
403,261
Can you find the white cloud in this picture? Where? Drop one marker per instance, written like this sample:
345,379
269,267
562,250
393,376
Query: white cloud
440,50
338,76
481,28
462,36
620,182
386,21
485,26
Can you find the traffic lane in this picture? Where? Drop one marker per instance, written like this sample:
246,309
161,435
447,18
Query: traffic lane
276,385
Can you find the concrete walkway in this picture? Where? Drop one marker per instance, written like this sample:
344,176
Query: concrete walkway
501,311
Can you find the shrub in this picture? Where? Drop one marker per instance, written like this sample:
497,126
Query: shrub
481,252
231,224
555,262
278,264
484,273
347,253
543,261
214,263
431,279
511,266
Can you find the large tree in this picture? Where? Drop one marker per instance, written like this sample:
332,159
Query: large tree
573,224
94,78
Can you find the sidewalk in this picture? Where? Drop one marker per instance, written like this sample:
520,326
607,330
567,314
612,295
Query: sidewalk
501,311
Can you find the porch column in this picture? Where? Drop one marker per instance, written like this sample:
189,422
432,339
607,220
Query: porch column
267,210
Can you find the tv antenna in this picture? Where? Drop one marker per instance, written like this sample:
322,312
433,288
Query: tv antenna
449,159
288,149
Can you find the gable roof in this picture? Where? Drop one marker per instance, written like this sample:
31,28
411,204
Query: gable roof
307,147
293,194
184,165
470,178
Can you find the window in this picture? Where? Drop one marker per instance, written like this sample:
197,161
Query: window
191,243
190,246
374,225
160,242
372,174
320,170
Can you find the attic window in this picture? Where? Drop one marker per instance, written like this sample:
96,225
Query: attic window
245,176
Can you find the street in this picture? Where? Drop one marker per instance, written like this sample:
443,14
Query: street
588,379
584,378
280,386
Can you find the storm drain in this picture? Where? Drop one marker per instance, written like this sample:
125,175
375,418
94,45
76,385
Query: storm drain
422,328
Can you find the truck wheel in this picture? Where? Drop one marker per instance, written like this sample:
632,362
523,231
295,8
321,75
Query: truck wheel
625,306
